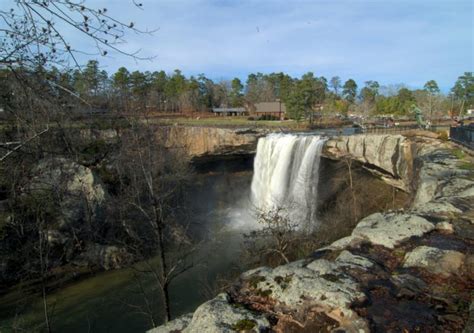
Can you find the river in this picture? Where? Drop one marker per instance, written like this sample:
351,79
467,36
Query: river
111,301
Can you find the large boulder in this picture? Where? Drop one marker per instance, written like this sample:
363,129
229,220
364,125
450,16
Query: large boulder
434,260
175,325
391,229
74,187
388,230
104,256
219,316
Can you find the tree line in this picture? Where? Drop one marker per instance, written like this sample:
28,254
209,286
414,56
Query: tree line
159,91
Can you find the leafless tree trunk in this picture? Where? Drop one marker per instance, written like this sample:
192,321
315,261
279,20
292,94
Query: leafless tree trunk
43,251
156,175
276,240
348,160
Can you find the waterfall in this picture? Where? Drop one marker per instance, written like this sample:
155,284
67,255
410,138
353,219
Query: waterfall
286,175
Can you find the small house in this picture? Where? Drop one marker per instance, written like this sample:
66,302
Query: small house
270,109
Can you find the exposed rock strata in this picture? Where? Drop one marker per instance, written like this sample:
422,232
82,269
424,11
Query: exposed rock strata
399,271
211,141
390,155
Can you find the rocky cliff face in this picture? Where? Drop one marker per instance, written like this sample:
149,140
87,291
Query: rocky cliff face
198,142
202,142
406,270
391,156
74,200
79,193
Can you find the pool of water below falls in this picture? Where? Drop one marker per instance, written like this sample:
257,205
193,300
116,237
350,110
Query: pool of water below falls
111,301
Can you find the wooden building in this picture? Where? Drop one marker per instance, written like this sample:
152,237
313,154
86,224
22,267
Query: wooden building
273,109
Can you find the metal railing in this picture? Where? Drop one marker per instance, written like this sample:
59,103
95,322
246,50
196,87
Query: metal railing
463,135
401,129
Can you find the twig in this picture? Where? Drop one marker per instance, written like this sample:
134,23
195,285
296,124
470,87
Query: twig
22,144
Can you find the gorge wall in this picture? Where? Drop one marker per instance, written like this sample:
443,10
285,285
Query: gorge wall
208,142
406,270
391,156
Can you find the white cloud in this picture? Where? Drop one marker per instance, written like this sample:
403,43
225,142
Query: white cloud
389,41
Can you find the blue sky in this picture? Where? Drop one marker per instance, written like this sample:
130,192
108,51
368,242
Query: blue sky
405,41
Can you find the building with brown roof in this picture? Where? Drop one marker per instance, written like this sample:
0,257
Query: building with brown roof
273,109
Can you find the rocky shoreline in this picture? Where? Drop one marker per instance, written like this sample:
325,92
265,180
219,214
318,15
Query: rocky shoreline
408,270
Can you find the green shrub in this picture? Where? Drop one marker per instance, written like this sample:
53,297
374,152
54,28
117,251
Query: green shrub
459,153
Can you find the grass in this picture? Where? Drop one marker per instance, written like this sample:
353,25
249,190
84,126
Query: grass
241,121
465,161
459,153
230,122
107,123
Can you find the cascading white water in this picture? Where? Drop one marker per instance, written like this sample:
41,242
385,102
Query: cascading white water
286,175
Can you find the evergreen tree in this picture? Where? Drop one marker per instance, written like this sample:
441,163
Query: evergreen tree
463,90
236,93
295,105
350,90
431,87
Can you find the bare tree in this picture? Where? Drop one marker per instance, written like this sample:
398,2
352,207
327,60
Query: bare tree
31,41
277,239
348,160
153,179
31,32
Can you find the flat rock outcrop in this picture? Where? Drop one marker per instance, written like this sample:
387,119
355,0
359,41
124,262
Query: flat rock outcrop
408,270
435,260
